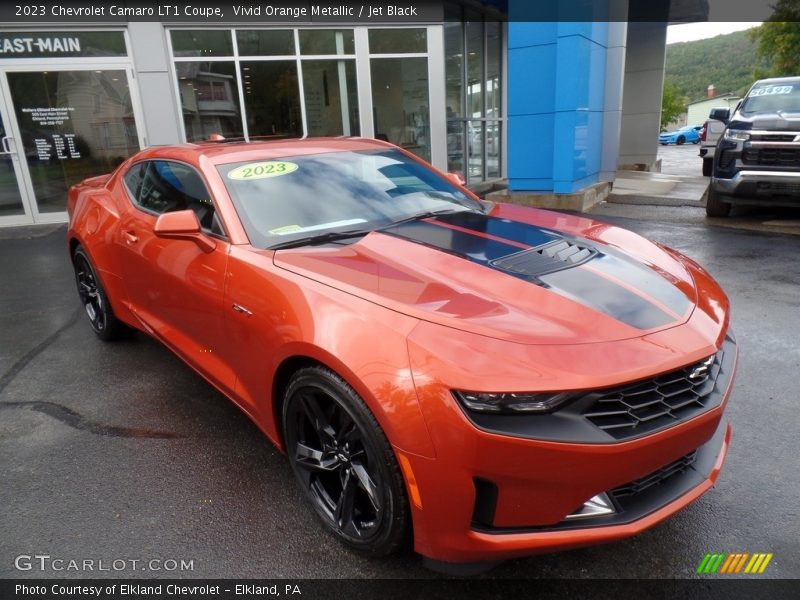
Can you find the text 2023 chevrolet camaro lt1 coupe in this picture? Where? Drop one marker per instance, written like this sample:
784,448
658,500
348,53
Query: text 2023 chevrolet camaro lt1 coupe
494,380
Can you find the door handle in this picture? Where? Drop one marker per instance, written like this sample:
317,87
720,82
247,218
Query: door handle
6,147
130,237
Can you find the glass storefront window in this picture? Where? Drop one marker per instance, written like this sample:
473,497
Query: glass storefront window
454,68
331,97
206,42
74,124
327,41
473,71
493,145
274,42
209,99
400,102
396,41
271,98
475,77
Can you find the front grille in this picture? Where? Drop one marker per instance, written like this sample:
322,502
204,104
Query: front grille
774,137
655,478
778,157
547,258
645,406
779,187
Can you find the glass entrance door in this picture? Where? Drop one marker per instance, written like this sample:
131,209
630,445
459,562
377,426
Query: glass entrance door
69,124
13,206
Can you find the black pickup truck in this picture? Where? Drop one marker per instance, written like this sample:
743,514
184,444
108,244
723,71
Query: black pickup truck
757,160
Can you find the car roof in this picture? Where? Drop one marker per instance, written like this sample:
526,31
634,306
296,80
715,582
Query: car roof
232,151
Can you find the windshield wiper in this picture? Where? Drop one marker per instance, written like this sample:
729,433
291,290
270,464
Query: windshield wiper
332,236
321,238
424,215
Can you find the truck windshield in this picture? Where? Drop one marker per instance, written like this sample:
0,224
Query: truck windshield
773,98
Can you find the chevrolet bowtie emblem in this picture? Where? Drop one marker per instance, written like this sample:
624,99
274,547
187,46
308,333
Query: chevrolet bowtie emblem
701,370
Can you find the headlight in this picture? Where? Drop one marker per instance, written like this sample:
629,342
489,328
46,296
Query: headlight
513,403
737,135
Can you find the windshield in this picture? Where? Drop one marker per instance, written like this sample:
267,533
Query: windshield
773,98
302,196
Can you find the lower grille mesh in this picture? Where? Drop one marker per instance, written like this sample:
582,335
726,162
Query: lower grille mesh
655,478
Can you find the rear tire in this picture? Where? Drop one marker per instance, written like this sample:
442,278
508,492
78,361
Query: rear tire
104,323
680,140
708,166
715,207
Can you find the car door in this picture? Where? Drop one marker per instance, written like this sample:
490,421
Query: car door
175,287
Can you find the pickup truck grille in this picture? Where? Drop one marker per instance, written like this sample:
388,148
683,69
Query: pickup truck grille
779,157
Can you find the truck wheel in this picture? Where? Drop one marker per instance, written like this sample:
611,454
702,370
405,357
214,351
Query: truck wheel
708,166
680,140
715,207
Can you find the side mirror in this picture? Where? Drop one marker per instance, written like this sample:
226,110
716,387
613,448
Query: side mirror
183,225
720,114
456,178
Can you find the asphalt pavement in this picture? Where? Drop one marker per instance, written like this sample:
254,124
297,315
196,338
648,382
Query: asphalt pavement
121,452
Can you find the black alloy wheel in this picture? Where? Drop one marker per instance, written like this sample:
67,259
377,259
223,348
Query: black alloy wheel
94,299
680,140
344,463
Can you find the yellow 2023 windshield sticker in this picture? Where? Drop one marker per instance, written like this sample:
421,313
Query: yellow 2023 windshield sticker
262,170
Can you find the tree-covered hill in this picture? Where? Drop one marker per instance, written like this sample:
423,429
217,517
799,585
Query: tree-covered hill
727,61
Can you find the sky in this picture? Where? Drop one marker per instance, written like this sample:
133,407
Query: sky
698,31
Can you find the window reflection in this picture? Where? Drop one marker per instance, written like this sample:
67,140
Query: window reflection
393,41
272,42
331,97
272,98
400,102
209,99
327,41
211,42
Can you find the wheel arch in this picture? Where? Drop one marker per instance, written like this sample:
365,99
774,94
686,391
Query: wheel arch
405,427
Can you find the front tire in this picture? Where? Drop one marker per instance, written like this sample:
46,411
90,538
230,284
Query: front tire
95,302
715,207
344,463
708,166
680,140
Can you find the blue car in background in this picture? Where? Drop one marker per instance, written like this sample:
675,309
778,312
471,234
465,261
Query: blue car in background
690,133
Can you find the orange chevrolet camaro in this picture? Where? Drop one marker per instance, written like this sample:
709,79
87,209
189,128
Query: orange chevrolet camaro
486,379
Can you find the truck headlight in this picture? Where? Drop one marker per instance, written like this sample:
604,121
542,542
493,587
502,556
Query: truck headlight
738,135
513,403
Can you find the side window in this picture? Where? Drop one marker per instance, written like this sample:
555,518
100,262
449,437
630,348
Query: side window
163,186
133,178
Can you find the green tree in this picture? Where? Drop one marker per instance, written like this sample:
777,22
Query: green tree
672,103
779,38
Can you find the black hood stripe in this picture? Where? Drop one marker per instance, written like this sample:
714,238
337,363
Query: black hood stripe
480,239
617,266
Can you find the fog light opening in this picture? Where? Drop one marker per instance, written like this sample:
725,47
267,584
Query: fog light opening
596,506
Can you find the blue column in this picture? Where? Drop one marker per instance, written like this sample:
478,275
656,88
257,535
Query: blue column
556,83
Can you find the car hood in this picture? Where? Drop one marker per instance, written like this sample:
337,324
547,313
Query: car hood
767,121
525,275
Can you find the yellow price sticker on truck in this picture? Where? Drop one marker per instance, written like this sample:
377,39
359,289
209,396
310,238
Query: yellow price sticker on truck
262,170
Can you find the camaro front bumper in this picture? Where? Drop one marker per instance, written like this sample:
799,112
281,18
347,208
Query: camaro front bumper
492,496
452,534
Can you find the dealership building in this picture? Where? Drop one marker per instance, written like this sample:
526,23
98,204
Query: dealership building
553,108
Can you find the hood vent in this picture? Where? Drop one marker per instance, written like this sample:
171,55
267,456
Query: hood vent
548,258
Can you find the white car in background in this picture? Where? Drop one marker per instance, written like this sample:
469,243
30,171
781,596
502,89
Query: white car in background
709,136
